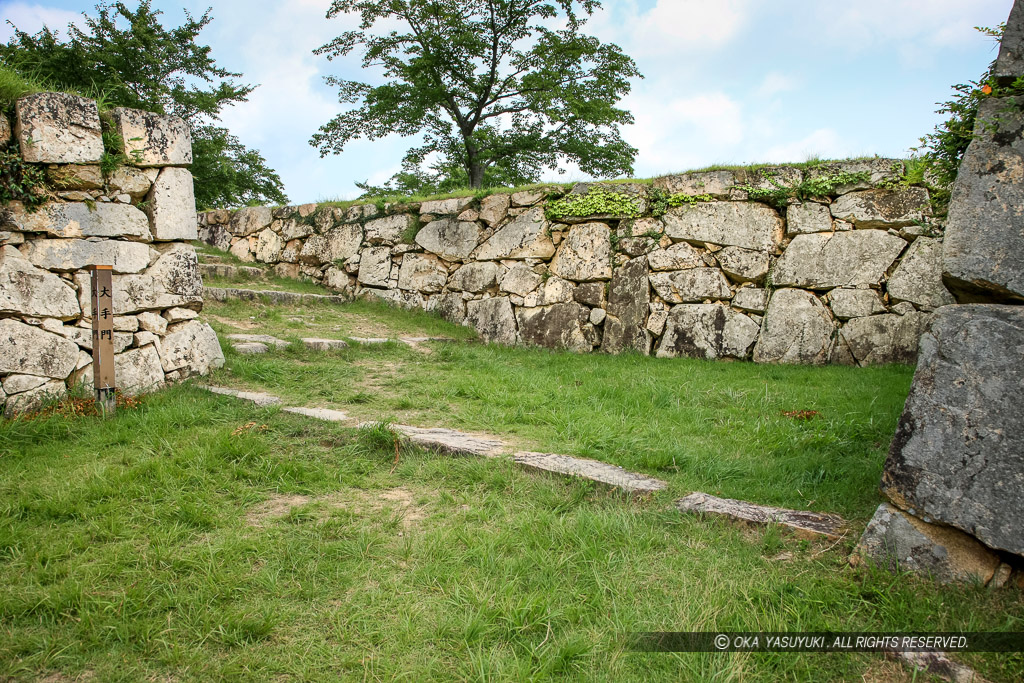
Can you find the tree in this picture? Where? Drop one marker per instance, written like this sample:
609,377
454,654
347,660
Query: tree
496,90
126,58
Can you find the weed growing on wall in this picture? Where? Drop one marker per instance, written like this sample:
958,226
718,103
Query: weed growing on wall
661,200
20,180
593,203
822,185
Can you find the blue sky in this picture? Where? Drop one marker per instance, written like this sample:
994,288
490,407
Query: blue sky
726,81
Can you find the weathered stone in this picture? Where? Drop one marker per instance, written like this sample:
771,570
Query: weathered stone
422,273
75,177
520,280
614,476
268,246
753,299
448,305
343,241
153,139
172,206
524,237
656,319
958,454
883,208
807,218
375,266
871,172
556,291
1010,62
131,181
57,128
242,249
585,254
983,253
173,280
797,328
28,350
138,370
152,322
900,542
625,326
707,331
527,197
191,346
250,348
559,326
493,319
5,137
450,239
888,338
475,277
72,254
291,229
690,286
494,208
216,236
739,224
320,344
315,251
267,339
805,524
827,260
855,303
27,290
249,220
81,220
177,315
676,257
597,316
34,398
256,397
718,184
388,230
445,207
918,277
743,265
16,384
590,294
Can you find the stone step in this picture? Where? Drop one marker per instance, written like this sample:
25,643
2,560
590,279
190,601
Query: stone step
274,297
208,258
449,440
806,524
325,414
256,397
229,271
317,344
267,339
594,470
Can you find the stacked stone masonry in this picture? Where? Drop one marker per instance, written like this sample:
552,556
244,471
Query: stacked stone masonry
849,278
139,219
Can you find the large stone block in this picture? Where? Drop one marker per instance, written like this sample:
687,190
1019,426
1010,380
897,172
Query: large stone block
855,303
35,397
717,184
520,280
743,265
443,207
28,350
493,319
983,254
559,326
807,218
691,286
422,273
675,257
137,370
882,208
958,454
707,331
918,277
249,220
153,139
524,237
880,339
268,246
827,260
494,208
344,241
30,291
584,255
1010,62
476,277
57,128
71,254
375,266
77,219
739,224
191,346
172,206
451,239
132,181
172,281
628,296
797,329
388,230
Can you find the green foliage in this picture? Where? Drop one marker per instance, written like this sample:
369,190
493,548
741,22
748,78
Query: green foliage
127,58
14,85
20,180
821,184
489,84
409,234
661,200
113,155
595,202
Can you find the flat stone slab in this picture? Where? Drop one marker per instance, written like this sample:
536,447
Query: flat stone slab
317,344
250,348
804,523
372,340
256,397
450,440
266,339
227,271
226,293
325,414
600,472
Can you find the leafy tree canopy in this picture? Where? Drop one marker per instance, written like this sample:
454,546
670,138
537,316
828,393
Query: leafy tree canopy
127,58
500,89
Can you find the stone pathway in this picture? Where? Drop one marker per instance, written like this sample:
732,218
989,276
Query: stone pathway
226,293
226,271
251,344
594,470
807,524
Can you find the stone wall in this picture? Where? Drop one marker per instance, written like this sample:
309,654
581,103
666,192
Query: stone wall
849,277
139,219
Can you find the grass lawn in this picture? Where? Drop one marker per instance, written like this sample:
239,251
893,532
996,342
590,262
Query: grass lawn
199,538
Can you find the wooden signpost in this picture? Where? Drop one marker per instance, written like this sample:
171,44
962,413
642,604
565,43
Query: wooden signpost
103,338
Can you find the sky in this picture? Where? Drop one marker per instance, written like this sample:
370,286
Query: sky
725,81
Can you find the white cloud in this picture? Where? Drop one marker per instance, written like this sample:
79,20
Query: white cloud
776,83
31,18
671,27
824,142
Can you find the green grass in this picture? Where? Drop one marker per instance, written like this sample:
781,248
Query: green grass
135,549
700,425
274,283
225,257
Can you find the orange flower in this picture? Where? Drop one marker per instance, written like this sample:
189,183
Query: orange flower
987,89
